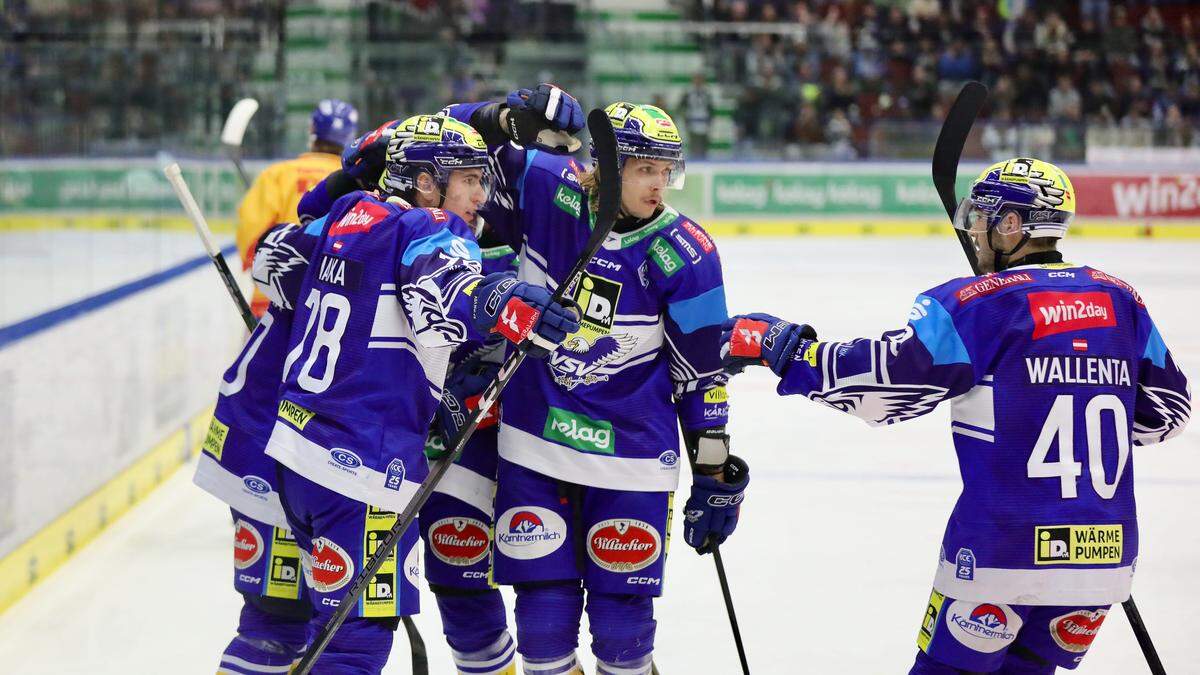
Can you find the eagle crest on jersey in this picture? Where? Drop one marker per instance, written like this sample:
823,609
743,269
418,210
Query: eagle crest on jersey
427,303
274,259
880,404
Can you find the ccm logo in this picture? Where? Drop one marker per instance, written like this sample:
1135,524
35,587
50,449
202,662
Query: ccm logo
643,581
726,500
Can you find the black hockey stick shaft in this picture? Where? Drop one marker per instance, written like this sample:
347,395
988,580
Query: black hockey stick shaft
948,151
724,581
188,201
1143,637
733,622
236,156
609,201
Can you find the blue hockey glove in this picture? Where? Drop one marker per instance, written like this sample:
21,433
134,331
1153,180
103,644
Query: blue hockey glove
711,512
760,340
460,396
363,159
544,108
520,312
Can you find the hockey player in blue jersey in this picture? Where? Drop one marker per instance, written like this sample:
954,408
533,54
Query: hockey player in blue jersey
589,440
456,522
394,286
1054,371
232,467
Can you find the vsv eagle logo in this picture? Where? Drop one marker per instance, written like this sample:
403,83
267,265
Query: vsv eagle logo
586,351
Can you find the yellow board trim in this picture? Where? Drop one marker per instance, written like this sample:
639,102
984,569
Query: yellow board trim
54,544
61,220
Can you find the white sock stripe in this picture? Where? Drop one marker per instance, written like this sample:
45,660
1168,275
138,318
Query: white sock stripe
553,103
253,667
536,667
504,658
641,667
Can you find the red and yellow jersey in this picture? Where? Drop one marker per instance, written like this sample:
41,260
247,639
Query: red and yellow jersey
272,199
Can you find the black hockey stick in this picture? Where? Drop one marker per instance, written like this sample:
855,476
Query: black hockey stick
733,624
724,581
609,200
949,149
175,177
235,130
1143,637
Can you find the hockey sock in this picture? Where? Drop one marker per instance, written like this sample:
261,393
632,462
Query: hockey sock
265,643
476,630
548,626
359,646
637,666
622,630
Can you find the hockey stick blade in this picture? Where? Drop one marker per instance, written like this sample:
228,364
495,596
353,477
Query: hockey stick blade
608,201
239,118
184,193
948,151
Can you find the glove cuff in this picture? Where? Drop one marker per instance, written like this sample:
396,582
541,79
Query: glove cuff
486,121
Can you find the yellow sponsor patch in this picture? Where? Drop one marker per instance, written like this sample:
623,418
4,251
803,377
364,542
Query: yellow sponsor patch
470,289
810,354
929,624
295,414
380,599
1078,544
283,577
716,395
214,441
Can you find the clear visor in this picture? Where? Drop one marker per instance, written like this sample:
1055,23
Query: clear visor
471,178
970,218
666,173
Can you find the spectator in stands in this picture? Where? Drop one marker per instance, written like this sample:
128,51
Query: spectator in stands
697,108
957,62
1065,102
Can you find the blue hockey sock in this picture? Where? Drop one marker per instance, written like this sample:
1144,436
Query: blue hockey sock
548,621
622,628
264,643
359,646
477,631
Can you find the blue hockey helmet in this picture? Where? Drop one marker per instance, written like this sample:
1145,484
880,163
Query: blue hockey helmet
435,145
334,121
1038,192
646,132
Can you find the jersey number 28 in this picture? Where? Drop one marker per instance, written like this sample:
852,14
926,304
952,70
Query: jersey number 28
329,313
1060,424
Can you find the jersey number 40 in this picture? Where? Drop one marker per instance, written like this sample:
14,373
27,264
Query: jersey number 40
1060,424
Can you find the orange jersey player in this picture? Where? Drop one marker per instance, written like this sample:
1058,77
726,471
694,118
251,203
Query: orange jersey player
273,196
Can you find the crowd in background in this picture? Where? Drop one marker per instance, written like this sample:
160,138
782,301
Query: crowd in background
108,77
819,72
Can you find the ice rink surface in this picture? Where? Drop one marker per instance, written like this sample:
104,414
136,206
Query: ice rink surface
831,564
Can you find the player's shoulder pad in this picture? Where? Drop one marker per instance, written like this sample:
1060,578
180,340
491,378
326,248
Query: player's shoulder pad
680,245
1105,279
553,169
967,292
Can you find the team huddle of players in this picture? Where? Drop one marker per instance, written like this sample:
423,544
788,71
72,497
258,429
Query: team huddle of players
394,286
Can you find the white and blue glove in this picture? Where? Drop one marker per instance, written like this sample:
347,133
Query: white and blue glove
522,312
545,115
711,512
761,340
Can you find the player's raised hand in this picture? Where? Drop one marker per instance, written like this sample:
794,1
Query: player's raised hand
711,512
545,107
363,159
760,340
520,312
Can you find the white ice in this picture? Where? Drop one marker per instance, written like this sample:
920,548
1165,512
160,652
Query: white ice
831,564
